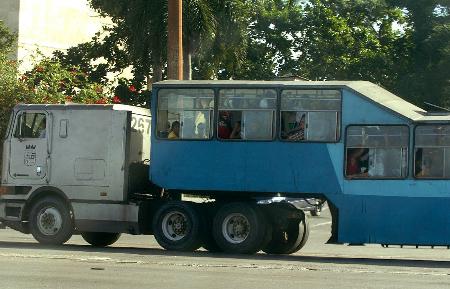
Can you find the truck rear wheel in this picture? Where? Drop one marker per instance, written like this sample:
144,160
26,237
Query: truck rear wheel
100,239
177,226
240,228
290,240
50,221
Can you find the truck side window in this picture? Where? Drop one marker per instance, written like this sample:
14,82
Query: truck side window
379,152
310,115
30,125
432,152
246,114
185,113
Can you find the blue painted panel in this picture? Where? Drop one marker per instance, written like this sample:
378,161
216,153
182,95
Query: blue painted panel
243,166
359,110
394,220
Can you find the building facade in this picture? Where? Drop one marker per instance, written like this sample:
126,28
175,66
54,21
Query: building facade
48,25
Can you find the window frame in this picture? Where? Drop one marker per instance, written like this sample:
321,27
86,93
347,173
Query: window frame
211,110
414,152
368,178
275,111
35,123
338,116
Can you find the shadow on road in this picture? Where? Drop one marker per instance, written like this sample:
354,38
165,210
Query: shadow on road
413,263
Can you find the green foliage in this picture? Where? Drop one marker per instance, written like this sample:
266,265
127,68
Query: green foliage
427,77
6,38
50,82
227,51
138,36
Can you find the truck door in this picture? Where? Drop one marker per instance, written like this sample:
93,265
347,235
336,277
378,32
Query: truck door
29,145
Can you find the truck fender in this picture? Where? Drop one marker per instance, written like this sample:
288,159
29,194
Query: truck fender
43,192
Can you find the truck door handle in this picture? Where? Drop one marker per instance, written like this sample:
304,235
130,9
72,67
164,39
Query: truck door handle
21,175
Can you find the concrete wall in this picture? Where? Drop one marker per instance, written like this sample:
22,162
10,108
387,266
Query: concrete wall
49,25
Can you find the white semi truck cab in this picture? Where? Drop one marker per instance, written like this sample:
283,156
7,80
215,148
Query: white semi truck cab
74,166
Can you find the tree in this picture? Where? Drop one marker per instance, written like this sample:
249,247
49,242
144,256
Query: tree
6,38
428,74
400,44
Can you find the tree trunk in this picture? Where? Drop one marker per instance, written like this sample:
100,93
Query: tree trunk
187,60
157,72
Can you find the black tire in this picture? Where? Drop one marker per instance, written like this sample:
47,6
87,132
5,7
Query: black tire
251,227
209,243
290,240
100,239
50,221
177,226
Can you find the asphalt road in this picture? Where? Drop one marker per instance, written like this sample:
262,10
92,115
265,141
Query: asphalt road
138,262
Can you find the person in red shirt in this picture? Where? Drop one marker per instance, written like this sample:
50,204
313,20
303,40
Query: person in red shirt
353,166
224,125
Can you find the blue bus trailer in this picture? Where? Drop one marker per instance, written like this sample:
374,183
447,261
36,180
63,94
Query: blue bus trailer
251,148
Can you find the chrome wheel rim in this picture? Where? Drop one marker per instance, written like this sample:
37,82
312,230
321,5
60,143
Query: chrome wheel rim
49,221
235,228
175,226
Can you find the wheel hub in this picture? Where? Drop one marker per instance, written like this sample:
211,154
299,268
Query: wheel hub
49,221
235,228
175,226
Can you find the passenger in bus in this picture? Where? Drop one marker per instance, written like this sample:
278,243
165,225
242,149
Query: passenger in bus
298,131
355,162
175,130
236,132
423,168
224,125
200,130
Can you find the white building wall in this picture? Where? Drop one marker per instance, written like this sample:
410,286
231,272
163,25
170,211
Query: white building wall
49,25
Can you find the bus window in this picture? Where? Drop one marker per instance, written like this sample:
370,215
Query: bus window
432,151
310,115
376,152
185,113
246,114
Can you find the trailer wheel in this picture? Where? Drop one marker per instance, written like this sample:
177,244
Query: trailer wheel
100,239
209,243
291,240
50,221
240,228
177,226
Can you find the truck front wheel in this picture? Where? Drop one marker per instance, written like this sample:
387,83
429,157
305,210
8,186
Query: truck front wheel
100,239
177,226
50,221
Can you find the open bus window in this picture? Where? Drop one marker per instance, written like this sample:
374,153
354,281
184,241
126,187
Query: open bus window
310,115
30,125
376,152
185,113
246,114
432,151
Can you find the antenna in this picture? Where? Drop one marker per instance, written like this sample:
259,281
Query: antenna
436,106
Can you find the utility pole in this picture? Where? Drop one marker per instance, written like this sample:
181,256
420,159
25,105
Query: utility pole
175,40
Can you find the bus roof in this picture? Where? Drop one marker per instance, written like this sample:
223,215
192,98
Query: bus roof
366,89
